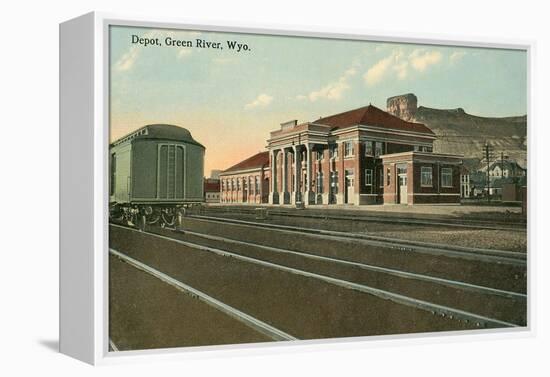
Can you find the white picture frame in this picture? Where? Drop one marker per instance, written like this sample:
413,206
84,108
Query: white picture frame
84,143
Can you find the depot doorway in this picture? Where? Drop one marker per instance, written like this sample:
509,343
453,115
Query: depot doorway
402,184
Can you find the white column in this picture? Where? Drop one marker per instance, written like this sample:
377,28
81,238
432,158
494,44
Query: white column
271,163
297,172
293,174
273,195
309,195
284,199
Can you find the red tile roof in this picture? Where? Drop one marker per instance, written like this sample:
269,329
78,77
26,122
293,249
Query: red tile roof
372,116
257,161
211,185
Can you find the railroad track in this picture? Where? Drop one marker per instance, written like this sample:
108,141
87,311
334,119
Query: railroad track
112,346
359,217
369,267
443,286
250,321
492,255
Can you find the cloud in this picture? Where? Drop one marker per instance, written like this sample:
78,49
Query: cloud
261,101
457,56
399,64
334,90
378,71
402,69
183,53
127,60
422,59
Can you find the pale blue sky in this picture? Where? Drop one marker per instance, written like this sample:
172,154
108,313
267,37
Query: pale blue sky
231,100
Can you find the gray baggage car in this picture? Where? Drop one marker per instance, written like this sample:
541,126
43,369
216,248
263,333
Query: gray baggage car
155,171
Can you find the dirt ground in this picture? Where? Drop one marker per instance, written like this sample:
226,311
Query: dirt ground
451,210
146,313
303,307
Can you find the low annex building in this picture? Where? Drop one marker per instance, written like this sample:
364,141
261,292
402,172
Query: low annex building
361,156
247,181
211,190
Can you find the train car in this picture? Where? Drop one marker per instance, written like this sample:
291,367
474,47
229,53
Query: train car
154,172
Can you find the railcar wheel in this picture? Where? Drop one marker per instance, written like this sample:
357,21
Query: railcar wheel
131,216
132,219
115,214
152,219
168,216
152,215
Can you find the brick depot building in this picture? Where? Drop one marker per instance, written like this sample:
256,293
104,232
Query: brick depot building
247,181
362,156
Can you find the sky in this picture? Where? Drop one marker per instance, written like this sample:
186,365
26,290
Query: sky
230,100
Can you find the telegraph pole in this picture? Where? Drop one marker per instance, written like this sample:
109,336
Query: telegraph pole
502,164
487,151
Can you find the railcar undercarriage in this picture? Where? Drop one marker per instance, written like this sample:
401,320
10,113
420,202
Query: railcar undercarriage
141,215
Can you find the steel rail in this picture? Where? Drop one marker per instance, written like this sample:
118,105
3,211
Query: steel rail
502,256
389,271
246,319
435,309
475,224
113,346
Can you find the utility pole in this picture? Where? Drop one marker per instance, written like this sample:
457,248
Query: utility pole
502,164
487,151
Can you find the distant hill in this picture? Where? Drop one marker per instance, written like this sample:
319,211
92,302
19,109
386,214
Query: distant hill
461,133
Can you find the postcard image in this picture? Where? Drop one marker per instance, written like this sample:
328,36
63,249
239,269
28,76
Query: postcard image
278,188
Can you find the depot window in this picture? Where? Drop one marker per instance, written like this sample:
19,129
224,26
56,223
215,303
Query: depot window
348,149
378,148
446,177
333,150
368,148
426,176
368,177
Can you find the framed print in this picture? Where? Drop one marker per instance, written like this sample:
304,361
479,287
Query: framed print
243,188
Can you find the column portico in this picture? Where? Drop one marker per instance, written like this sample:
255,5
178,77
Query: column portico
273,193
341,174
285,194
309,197
297,174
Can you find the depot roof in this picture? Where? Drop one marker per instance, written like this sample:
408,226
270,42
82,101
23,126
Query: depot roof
372,116
258,160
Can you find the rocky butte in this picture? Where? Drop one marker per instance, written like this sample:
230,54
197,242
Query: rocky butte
458,132
403,106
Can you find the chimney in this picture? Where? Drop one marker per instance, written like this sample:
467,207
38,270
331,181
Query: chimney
289,124
403,106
